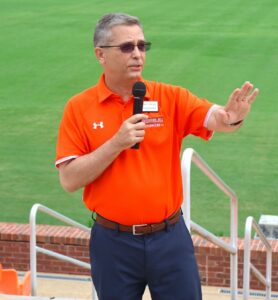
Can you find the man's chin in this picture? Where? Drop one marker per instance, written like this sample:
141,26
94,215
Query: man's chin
135,75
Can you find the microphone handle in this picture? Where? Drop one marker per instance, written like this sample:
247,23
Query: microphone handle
137,109
136,146
137,105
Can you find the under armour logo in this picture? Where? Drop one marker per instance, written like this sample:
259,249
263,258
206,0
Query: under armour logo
96,125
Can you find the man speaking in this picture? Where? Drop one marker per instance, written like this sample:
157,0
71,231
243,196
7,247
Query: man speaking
139,237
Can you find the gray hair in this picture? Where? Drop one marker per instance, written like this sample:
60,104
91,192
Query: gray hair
108,21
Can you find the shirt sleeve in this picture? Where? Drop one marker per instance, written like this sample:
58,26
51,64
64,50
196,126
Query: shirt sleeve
192,114
71,142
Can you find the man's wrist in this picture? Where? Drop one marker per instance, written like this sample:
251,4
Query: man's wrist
236,123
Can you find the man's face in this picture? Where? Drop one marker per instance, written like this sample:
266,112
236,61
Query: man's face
123,66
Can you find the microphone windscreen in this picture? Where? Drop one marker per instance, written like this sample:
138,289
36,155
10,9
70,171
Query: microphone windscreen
139,89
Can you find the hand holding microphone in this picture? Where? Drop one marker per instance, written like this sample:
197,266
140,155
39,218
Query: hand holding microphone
132,130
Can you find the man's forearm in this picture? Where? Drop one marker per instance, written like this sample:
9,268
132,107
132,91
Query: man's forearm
83,170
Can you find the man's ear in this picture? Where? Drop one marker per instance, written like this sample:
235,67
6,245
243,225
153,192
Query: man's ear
100,55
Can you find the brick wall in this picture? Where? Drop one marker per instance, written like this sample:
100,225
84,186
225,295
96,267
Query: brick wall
214,263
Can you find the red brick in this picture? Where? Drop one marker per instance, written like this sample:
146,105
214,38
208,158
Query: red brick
214,262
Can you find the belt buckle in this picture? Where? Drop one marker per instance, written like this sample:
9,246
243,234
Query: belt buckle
134,229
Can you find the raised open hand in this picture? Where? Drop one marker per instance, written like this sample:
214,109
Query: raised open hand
239,104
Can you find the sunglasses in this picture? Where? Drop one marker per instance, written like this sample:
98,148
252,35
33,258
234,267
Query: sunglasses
129,47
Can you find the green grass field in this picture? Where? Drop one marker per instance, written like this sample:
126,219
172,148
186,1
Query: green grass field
210,47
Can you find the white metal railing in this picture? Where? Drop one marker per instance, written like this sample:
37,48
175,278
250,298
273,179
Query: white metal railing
266,280
34,248
188,156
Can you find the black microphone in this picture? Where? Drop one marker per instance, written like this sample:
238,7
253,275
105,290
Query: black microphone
138,91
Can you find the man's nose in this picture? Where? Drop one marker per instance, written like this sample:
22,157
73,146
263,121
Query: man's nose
136,52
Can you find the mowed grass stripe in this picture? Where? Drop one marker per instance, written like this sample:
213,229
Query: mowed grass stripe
211,48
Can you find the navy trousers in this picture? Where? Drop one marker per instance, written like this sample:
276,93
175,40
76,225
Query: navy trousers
123,264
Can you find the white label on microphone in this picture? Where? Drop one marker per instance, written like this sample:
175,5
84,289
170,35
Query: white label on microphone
150,106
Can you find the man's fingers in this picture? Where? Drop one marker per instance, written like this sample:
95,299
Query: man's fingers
136,118
252,97
235,94
245,91
243,94
140,133
232,99
139,125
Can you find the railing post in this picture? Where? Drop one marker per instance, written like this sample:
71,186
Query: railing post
234,256
248,266
188,156
95,297
246,263
186,168
268,274
33,243
33,252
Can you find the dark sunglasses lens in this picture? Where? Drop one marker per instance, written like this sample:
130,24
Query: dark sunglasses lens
143,46
127,47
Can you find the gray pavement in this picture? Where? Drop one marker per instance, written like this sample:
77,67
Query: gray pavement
68,287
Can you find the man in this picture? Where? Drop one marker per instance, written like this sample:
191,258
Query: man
139,237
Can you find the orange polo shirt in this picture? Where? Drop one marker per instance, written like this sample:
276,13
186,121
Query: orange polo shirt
140,186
